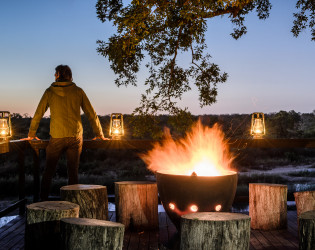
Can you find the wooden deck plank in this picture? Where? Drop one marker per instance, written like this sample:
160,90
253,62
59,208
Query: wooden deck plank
134,240
263,241
12,235
163,234
154,240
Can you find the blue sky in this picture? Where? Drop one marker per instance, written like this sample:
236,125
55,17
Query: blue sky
269,70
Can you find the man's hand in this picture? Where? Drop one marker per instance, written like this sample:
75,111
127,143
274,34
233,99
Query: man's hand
30,139
100,138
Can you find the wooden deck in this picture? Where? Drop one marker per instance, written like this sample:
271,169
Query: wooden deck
12,236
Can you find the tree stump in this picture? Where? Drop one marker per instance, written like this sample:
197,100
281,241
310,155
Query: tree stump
42,229
92,200
137,204
305,201
307,230
268,206
215,230
83,233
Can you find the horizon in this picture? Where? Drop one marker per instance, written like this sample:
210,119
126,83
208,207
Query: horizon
269,70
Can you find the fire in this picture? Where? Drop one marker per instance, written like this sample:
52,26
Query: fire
203,152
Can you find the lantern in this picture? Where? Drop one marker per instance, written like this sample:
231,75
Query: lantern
116,129
258,125
5,131
5,125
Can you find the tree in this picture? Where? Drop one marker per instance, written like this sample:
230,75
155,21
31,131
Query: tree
160,30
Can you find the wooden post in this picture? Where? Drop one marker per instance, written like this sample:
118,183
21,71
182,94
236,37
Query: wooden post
137,204
268,206
42,230
92,199
215,230
305,201
83,233
21,165
307,230
36,174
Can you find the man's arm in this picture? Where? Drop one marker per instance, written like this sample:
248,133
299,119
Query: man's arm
40,111
91,114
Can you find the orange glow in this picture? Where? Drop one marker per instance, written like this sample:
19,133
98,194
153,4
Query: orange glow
193,208
218,208
172,206
203,151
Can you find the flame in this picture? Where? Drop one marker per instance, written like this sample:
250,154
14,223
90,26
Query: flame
203,152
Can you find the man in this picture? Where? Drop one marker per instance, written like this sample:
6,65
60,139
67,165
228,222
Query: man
64,99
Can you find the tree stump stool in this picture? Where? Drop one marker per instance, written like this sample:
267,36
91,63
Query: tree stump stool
214,230
137,204
307,230
42,230
268,206
305,201
83,233
92,200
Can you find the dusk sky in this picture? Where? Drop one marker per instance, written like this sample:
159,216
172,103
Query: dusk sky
269,70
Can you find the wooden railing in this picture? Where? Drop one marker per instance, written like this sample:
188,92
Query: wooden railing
21,147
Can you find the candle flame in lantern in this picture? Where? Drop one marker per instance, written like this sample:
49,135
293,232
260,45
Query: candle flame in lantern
203,152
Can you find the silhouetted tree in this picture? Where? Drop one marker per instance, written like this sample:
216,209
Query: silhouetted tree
163,29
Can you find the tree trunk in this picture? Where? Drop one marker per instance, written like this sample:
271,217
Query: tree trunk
137,204
305,201
215,230
83,233
307,230
42,229
92,200
268,206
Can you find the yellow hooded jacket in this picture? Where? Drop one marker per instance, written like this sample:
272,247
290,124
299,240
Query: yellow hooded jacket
65,100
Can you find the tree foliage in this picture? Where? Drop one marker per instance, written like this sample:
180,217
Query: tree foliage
156,32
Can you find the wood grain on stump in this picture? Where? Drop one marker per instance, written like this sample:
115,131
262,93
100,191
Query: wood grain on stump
305,201
83,233
215,230
137,204
42,229
307,230
92,200
268,206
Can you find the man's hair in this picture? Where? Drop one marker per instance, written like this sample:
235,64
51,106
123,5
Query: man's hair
65,73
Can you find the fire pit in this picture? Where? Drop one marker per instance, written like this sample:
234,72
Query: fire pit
182,194
194,173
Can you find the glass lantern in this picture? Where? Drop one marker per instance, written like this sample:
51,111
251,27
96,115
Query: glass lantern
258,126
5,124
116,130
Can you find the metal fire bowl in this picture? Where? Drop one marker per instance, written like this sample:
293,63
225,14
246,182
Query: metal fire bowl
206,192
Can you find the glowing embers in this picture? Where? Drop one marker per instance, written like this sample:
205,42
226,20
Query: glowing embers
218,208
172,206
194,208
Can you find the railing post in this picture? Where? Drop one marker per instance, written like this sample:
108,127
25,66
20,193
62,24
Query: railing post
36,165
21,166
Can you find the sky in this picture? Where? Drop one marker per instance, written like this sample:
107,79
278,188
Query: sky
269,70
